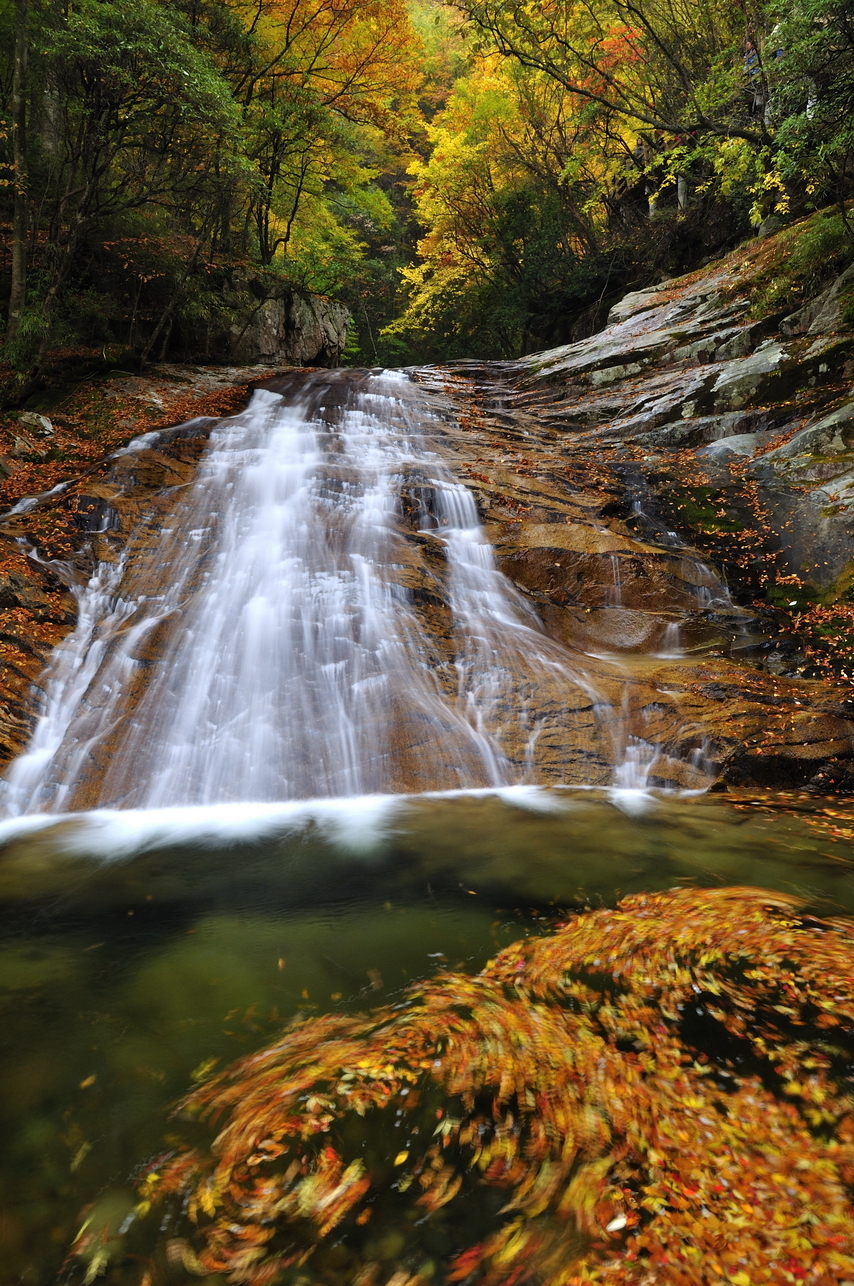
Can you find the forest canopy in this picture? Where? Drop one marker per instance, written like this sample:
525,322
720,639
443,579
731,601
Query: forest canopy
479,178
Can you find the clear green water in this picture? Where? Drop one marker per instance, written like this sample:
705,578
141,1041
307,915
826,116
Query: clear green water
119,979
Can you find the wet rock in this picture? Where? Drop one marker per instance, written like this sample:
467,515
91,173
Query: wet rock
807,486
694,430
835,777
826,363
18,591
744,444
681,368
832,436
825,312
94,513
764,374
569,454
631,305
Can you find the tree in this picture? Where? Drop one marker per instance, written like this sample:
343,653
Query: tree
298,68
196,141
667,66
144,120
20,177
512,198
812,79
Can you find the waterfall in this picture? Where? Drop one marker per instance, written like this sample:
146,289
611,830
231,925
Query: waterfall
281,651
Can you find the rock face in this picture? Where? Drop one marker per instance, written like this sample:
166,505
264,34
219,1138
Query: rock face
685,415
294,328
684,366
682,665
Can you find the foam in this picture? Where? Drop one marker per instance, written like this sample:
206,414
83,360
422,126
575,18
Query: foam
357,824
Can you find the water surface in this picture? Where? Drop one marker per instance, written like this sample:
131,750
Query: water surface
140,948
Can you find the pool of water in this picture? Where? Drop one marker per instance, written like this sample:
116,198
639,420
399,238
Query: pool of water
142,949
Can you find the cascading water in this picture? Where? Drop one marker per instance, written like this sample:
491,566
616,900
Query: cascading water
284,655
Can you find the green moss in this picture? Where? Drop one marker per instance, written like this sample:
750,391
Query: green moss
792,598
846,306
704,509
801,261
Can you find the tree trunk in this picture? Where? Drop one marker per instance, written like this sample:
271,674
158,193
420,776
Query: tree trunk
19,151
167,317
64,267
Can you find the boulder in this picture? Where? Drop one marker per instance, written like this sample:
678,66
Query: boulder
748,380
832,436
40,425
824,313
743,444
293,328
23,447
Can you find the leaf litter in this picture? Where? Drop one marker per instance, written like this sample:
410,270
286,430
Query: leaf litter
657,1094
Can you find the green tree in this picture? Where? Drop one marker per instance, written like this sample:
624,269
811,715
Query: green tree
176,149
134,116
20,176
812,76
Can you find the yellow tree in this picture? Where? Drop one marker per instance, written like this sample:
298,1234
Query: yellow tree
314,65
668,66
511,200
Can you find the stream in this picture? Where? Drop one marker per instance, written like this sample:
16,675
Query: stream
308,743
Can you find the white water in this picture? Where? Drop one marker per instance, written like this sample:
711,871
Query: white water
293,663
356,824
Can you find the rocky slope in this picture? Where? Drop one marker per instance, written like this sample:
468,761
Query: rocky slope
690,431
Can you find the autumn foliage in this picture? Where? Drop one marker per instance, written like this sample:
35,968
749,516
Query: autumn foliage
655,1093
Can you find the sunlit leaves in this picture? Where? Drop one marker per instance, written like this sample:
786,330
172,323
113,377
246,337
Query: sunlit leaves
302,68
509,199
653,63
